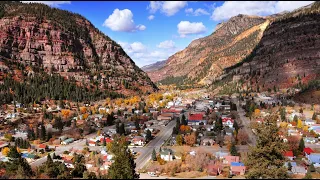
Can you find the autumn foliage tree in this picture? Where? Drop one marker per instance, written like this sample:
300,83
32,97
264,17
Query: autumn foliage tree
190,139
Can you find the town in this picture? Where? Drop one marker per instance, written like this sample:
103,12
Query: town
170,134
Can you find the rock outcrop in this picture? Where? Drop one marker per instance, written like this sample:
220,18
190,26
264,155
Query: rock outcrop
66,43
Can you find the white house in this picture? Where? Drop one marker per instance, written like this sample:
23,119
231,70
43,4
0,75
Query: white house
228,122
138,140
11,115
309,122
166,155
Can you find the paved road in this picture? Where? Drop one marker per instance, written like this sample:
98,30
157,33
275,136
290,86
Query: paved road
145,152
246,123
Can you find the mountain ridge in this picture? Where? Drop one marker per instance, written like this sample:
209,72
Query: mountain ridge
66,43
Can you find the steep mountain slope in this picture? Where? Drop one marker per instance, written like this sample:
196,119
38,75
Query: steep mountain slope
153,67
205,58
288,53
61,42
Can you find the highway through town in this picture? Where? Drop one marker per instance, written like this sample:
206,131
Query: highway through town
245,122
156,143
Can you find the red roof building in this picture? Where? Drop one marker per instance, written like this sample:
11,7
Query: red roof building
308,150
288,154
42,146
108,140
195,117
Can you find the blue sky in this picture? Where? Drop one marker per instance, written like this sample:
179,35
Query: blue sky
151,31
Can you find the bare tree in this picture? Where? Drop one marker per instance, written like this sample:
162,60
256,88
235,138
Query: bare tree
242,137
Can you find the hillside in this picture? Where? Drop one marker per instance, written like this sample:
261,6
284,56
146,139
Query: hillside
205,58
287,55
153,67
263,53
48,40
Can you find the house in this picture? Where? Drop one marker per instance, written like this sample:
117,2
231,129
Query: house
299,170
310,140
292,164
237,168
314,158
106,165
230,159
67,141
92,143
227,122
29,157
309,122
207,141
3,145
221,155
161,117
196,119
167,155
62,138
108,140
289,154
42,147
214,170
307,151
89,164
138,140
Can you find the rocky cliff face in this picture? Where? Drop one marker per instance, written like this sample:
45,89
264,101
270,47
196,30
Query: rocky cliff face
205,58
66,43
277,51
288,53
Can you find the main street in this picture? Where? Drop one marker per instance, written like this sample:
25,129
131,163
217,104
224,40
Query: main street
145,152
245,122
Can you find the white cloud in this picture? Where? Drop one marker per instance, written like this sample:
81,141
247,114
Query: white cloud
197,12
166,44
136,47
49,3
262,8
122,20
154,6
141,27
189,10
186,28
169,8
151,17
290,5
142,55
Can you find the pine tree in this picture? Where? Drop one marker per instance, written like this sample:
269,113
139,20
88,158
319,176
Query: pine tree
233,150
117,128
183,120
43,132
122,129
236,126
148,136
104,142
124,165
289,166
312,168
154,155
49,135
314,116
268,150
301,145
